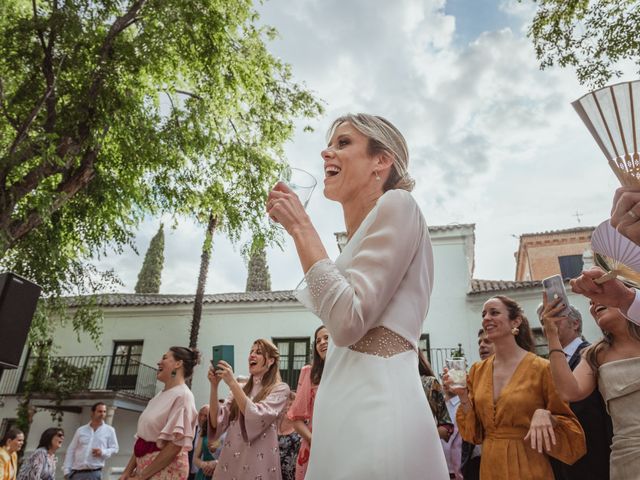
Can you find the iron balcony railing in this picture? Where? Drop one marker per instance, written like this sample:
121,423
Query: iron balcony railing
93,373
438,356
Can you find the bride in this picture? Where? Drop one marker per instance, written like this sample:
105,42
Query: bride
371,419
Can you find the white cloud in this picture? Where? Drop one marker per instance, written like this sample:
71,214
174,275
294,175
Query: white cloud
494,140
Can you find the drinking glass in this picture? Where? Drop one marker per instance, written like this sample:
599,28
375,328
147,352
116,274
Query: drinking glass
457,367
301,182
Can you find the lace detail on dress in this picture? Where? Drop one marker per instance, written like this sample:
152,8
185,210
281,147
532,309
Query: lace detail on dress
382,342
318,283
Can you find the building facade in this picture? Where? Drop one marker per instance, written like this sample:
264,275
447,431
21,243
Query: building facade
541,255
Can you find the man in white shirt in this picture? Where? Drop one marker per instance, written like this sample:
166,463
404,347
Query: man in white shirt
91,446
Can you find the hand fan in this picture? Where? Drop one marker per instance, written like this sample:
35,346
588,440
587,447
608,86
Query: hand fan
612,116
619,255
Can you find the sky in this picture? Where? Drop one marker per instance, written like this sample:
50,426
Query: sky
493,140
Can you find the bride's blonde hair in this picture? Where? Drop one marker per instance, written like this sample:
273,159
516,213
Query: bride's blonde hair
383,137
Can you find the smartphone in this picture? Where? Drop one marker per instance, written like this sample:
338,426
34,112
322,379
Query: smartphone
554,287
222,352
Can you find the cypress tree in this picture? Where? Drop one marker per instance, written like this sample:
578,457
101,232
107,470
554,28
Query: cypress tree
258,278
150,274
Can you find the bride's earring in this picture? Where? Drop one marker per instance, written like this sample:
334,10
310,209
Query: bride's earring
377,175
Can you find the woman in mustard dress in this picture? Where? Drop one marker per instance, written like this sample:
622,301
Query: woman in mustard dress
511,406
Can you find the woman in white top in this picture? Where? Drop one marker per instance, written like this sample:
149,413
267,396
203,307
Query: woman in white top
167,425
371,418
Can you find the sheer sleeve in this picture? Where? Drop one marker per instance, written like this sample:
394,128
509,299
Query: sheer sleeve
570,441
300,409
180,426
259,416
350,304
469,424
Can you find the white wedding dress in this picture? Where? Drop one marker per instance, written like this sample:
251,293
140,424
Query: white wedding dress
371,418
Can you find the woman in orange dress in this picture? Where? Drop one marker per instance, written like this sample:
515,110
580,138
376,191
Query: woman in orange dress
510,405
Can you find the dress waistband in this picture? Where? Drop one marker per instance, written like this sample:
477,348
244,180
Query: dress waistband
142,447
507,433
382,342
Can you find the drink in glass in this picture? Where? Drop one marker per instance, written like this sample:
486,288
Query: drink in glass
457,370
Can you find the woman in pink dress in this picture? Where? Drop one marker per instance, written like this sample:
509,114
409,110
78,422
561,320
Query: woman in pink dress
249,417
301,411
167,426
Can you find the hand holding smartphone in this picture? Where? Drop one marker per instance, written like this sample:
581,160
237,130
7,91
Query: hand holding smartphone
554,288
222,352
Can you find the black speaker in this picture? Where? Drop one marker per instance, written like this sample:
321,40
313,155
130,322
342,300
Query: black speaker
18,299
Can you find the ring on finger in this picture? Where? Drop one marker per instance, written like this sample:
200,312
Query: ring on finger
633,214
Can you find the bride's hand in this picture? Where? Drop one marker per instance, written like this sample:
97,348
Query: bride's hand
284,207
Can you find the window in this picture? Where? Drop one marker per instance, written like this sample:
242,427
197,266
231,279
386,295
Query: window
425,345
540,341
294,354
125,362
570,266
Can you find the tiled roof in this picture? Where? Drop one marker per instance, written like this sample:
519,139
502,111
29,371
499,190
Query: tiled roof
150,299
491,286
555,232
451,226
281,296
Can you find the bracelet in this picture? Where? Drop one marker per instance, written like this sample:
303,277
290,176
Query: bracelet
557,350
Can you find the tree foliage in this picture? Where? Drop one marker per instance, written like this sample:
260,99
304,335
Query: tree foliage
593,36
150,275
117,109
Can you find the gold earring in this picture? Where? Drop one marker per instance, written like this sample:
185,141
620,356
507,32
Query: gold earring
515,331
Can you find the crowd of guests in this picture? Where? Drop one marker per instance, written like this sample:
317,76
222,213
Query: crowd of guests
547,417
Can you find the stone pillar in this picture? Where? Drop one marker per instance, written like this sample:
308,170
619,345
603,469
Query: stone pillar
111,410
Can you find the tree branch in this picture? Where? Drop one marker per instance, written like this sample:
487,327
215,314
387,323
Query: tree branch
190,94
119,25
24,128
67,188
12,120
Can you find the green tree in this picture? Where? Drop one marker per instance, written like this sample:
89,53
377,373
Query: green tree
118,109
593,36
113,110
149,278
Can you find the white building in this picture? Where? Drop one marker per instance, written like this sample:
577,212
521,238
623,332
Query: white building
138,329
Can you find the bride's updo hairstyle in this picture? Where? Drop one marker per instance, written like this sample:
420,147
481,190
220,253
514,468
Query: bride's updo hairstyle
383,137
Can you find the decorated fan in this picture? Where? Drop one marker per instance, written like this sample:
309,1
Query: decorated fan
612,115
616,254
